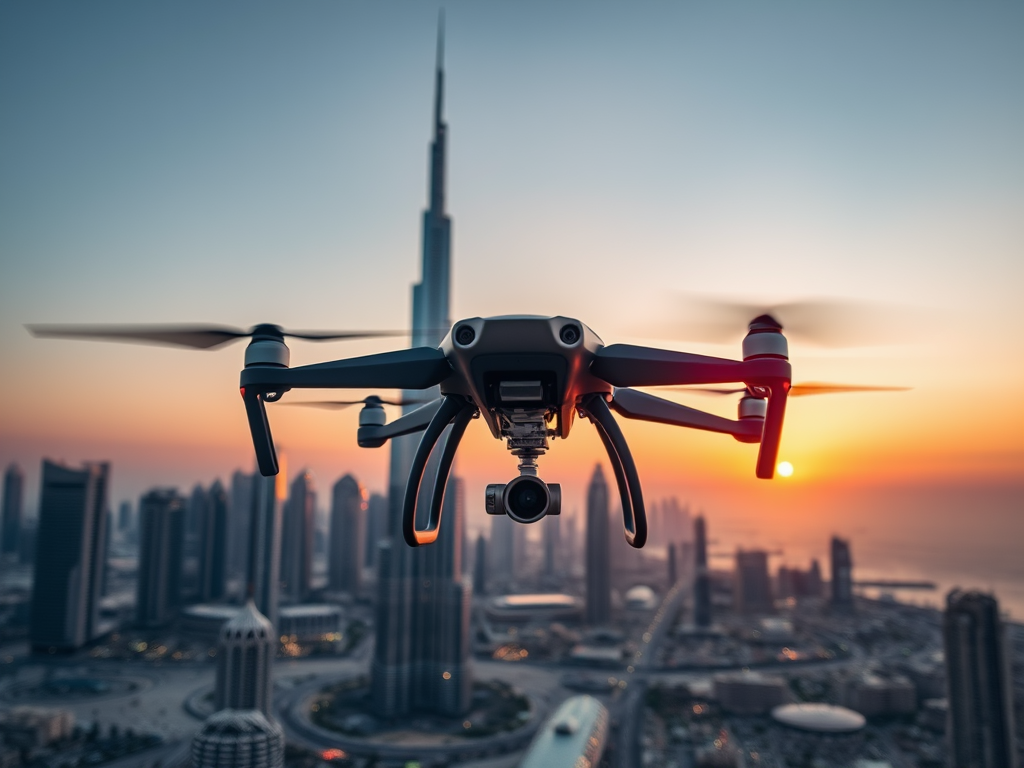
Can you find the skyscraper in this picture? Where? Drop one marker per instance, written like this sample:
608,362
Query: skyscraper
552,545
238,738
673,569
297,538
376,526
161,556
212,544
979,687
701,579
10,527
752,585
421,651
245,652
501,563
599,596
480,566
842,574
66,591
240,518
347,535
264,558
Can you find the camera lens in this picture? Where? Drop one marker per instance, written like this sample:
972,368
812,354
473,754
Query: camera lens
569,334
465,335
526,499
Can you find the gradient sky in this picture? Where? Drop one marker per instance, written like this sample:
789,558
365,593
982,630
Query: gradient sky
245,162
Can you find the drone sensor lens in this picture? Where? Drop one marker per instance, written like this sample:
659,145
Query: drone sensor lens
526,499
465,335
569,334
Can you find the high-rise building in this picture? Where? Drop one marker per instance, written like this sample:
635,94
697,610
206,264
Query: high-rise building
10,524
263,580
480,566
66,591
599,594
673,569
376,527
240,524
979,687
501,563
752,586
212,544
701,579
124,517
421,651
245,652
552,545
161,556
347,535
238,738
297,538
842,574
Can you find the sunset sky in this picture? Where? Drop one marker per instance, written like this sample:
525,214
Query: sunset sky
241,163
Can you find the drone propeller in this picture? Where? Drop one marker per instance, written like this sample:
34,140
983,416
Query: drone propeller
800,390
371,400
193,336
824,322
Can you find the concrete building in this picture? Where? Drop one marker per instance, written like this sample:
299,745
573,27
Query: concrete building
421,651
599,591
376,527
236,738
68,578
480,566
749,693
752,586
28,727
240,525
10,522
979,687
552,533
876,695
297,539
842,574
212,545
347,538
701,578
161,556
244,657
263,580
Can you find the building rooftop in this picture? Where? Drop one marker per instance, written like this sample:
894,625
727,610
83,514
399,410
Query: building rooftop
574,735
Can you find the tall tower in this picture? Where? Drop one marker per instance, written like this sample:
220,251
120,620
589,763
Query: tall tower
978,683
264,557
421,651
599,596
347,535
69,570
161,554
10,532
297,538
213,544
842,574
244,656
701,579
752,587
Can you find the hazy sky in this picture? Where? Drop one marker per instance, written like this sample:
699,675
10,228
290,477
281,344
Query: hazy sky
245,162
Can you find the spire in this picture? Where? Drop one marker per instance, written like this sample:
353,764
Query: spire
439,74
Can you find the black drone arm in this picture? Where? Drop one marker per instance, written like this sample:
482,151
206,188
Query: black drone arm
452,409
374,435
625,365
634,515
634,404
417,368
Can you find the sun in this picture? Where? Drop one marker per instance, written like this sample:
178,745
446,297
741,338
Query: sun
785,469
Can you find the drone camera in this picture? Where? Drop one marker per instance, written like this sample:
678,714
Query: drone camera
570,334
465,335
526,499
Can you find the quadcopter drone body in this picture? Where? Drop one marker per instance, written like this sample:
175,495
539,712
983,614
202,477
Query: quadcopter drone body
528,378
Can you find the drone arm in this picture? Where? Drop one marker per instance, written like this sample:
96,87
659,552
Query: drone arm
417,368
259,426
374,435
634,404
625,365
449,409
634,516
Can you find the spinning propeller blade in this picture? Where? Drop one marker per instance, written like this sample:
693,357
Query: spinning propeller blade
799,390
823,322
192,336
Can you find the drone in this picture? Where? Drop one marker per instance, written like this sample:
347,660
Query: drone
528,378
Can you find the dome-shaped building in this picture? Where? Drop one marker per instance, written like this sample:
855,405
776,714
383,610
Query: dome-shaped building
238,738
244,655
